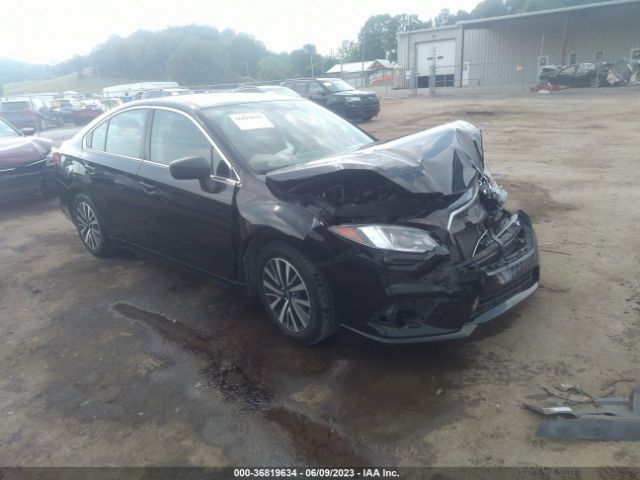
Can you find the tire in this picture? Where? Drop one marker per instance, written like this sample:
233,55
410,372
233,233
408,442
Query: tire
340,110
90,225
303,309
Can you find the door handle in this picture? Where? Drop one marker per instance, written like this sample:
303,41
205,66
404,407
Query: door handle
148,188
89,169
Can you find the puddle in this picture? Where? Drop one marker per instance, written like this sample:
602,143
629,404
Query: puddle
314,442
228,377
319,442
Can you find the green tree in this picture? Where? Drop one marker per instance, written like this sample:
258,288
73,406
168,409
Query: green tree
198,62
376,37
348,51
302,59
274,68
490,8
244,53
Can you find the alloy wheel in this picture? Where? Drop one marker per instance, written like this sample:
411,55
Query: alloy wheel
286,294
88,226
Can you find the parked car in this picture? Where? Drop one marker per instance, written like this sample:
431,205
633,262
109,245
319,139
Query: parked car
164,92
29,113
109,103
25,163
338,96
87,111
276,89
400,241
64,108
578,75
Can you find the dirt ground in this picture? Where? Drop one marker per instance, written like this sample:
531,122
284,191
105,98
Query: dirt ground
130,361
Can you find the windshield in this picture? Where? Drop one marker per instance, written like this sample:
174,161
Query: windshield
337,85
272,135
7,131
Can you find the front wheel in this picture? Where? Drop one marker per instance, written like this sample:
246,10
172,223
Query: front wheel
340,110
91,227
295,294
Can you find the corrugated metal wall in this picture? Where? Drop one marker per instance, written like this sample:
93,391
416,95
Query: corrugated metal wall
506,52
407,43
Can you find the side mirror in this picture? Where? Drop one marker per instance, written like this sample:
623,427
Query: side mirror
190,168
27,131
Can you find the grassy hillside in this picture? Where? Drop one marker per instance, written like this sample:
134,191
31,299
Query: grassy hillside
89,83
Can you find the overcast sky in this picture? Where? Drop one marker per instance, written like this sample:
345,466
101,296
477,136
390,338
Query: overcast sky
49,31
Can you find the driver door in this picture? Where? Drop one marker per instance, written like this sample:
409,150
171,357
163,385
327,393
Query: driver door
189,221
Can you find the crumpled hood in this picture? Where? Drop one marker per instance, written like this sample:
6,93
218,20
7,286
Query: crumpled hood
444,159
16,151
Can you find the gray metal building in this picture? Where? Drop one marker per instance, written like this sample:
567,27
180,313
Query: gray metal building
511,50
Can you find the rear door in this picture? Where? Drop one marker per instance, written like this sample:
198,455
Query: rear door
317,93
187,220
112,156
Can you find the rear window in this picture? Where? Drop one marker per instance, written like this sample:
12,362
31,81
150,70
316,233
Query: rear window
14,106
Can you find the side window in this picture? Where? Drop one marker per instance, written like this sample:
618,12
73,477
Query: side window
315,88
174,136
126,134
301,87
99,137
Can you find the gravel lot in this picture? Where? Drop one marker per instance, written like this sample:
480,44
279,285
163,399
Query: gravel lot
130,361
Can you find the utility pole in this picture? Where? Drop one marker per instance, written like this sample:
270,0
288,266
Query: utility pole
364,44
311,61
432,73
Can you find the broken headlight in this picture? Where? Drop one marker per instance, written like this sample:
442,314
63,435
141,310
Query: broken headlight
490,189
388,237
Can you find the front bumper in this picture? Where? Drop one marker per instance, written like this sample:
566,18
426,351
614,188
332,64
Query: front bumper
363,109
447,302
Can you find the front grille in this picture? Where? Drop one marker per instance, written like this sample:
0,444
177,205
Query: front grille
487,302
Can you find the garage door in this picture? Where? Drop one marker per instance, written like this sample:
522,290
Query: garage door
445,57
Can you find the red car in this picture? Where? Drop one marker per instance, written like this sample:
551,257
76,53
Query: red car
25,163
87,112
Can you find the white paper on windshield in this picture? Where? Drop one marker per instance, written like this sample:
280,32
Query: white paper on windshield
251,121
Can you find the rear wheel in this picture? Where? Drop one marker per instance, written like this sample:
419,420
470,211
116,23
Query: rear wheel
91,228
295,294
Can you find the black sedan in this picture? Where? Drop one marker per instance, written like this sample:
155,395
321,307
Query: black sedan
403,241
25,163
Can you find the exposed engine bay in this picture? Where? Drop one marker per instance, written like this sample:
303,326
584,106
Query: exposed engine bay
360,196
435,179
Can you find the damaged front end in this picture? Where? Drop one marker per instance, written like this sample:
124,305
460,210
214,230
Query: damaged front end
415,239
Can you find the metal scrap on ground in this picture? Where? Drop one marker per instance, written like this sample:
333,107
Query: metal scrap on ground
610,418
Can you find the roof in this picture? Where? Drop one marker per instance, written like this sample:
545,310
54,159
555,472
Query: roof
554,11
354,67
588,6
197,101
